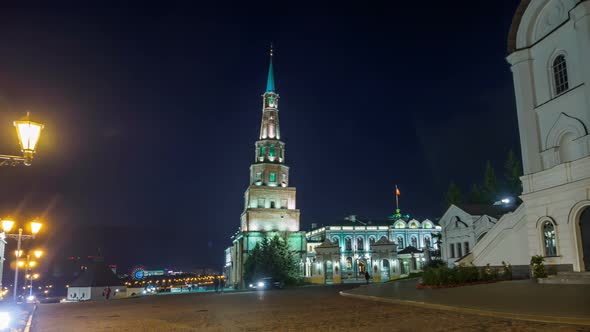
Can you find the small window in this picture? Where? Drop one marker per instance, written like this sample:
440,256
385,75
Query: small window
262,152
427,225
360,244
271,152
348,243
413,225
272,204
560,75
414,242
371,242
427,242
452,250
400,225
400,242
459,251
549,239
349,263
261,203
336,241
466,245
273,177
283,203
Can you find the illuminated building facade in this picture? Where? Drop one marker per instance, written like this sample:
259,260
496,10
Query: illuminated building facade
269,203
344,250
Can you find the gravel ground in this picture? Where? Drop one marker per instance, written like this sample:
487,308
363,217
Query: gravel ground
300,309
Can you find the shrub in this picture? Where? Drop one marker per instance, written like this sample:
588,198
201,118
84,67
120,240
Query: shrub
465,274
434,263
538,268
507,271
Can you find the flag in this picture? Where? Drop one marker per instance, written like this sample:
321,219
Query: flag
397,193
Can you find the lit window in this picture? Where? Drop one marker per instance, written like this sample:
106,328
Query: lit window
413,225
271,151
262,152
400,242
349,263
360,245
273,177
348,243
427,225
549,239
399,225
414,242
560,75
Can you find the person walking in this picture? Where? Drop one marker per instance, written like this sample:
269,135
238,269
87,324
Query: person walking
222,284
108,292
216,283
367,276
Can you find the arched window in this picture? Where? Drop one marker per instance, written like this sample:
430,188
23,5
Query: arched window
400,242
400,224
427,242
560,75
360,244
336,241
413,225
427,225
271,151
371,242
349,263
348,243
414,242
262,153
383,238
549,238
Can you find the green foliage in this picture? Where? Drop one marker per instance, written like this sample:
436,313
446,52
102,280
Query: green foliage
512,173
538,267
434,263
490,185
453,195
463,274
475,195
271,258
506,271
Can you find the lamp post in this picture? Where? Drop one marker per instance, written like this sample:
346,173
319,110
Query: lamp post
7,225
30,266
28,133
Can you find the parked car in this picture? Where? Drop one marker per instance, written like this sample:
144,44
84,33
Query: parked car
267,283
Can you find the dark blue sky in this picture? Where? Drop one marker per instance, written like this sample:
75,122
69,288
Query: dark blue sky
151,114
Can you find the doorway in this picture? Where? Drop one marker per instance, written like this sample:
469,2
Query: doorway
585,236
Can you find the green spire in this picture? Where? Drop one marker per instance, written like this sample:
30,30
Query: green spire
270,83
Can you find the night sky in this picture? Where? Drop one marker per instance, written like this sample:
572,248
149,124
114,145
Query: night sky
151,116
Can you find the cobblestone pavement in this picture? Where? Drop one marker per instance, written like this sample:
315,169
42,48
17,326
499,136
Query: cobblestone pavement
299,309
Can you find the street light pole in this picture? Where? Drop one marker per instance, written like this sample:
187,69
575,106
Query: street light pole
20,235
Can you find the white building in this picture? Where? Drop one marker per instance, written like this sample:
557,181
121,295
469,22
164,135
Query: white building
549,54
463,225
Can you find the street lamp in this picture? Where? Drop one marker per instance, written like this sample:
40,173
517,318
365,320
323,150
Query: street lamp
7,225
28,133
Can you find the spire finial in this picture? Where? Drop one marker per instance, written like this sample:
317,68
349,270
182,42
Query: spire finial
270,83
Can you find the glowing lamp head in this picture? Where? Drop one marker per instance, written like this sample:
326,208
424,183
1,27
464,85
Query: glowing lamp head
35,227
20,264
7,225
32,264
38,253
18,253
28,133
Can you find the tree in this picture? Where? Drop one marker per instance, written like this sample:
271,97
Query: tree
453,195
512,174
271,258
475,195
490,186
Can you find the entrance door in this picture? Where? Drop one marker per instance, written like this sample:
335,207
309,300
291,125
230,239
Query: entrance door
385,270
585,235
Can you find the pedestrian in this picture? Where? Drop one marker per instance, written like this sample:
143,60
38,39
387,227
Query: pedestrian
216,283
108,292
367,276
222,284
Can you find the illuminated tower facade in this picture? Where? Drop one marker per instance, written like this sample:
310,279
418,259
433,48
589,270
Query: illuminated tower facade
269,203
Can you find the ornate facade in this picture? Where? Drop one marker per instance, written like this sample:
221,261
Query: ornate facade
346,249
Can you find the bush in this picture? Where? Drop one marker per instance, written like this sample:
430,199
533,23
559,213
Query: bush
538,268
463,274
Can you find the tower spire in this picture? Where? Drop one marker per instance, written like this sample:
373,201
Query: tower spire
270,83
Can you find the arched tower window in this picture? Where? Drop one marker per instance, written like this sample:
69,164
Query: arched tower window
271,151
371,242
348,243
549,240
262,152
560,75
414,242
400,242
